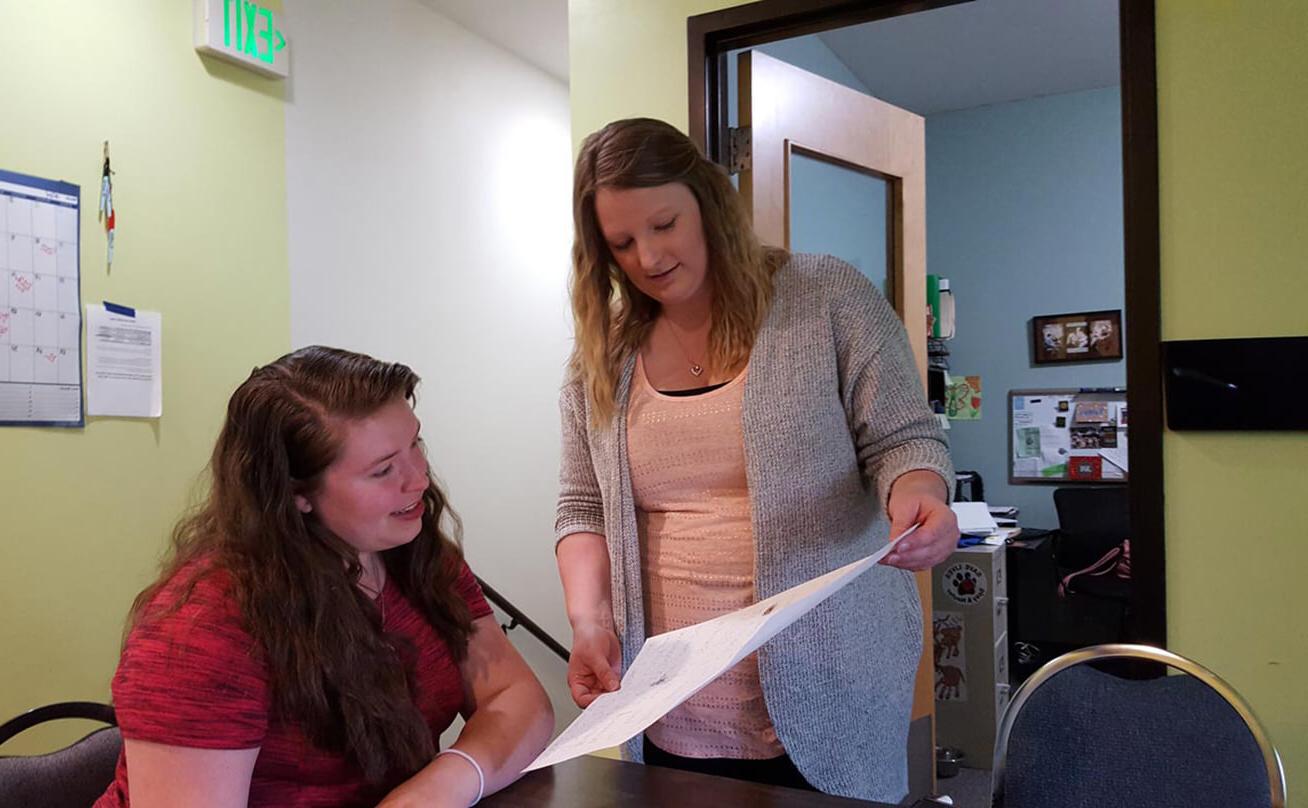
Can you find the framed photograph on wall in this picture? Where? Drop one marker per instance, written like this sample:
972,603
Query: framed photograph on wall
1083,337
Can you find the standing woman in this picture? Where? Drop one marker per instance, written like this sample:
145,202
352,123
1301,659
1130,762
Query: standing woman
736,421
316,629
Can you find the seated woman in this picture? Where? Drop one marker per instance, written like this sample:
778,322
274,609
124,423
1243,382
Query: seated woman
315,628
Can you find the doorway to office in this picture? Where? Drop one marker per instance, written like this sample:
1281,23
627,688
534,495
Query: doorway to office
1041,189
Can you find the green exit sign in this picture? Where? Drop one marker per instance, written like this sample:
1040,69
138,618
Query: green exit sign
244,32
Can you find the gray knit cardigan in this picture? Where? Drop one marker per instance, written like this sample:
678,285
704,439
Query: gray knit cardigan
833,413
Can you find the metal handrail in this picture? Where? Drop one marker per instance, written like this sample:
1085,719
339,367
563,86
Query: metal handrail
1096,653
517,618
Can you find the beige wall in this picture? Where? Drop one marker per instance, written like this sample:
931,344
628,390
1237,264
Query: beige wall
200,192
1232,81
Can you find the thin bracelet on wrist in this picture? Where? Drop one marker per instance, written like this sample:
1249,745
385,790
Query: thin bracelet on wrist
481,776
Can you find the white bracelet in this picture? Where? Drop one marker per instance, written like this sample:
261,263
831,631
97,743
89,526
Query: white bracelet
481,776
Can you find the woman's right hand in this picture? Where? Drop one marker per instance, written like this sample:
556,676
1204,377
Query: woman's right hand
593,665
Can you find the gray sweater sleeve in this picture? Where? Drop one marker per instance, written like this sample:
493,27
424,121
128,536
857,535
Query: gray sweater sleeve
580,507
893,428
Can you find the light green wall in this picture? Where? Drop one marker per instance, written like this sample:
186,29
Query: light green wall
1233,166
1232,84
628,58
200,192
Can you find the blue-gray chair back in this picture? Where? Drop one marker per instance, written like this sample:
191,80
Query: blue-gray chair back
72,777
1077,737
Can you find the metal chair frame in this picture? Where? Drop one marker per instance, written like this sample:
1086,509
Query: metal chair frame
1271,758
91,710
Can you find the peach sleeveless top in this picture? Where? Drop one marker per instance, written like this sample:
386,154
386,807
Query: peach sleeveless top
687,458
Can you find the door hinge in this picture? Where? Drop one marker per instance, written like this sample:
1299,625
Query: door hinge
740,151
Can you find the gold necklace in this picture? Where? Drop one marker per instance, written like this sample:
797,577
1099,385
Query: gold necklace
696,369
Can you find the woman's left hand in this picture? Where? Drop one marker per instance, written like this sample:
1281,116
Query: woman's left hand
919,498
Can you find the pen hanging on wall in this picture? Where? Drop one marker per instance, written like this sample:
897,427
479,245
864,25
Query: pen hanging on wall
106,214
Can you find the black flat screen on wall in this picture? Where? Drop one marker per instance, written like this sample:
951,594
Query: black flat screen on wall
1237,384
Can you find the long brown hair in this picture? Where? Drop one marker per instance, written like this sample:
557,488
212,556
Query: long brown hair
613,317
331,668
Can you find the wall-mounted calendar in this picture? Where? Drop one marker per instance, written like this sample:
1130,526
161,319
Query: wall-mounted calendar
40,303
1062,436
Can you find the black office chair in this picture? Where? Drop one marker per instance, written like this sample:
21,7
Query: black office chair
1077,737
968,486
1092,521
72,777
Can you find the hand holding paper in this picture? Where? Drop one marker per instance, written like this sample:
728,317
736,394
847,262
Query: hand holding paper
595,662
921,498
672,667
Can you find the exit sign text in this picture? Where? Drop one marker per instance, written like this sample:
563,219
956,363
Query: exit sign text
242,31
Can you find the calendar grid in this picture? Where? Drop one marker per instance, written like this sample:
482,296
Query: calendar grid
40,302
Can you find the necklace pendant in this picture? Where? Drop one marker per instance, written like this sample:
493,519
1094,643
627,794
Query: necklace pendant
696,370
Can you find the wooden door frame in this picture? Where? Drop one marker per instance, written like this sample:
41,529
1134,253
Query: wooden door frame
711,36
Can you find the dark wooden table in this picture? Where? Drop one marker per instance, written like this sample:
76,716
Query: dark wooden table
592,782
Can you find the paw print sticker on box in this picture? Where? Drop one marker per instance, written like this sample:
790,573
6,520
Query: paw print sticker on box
965,583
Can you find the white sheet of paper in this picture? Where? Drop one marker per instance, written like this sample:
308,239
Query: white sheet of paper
124,373
1115,456
672,667
1041,409
1055,444
974,517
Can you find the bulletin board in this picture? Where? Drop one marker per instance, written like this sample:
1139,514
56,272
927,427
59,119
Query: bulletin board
1067,436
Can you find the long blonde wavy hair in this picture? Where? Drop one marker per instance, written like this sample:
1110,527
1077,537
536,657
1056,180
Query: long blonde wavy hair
612,317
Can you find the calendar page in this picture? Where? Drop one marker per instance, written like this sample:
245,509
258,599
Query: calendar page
40,302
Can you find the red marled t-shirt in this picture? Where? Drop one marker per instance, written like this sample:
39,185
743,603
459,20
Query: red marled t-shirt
195,678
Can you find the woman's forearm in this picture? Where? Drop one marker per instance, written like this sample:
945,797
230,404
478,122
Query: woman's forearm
503,736
583,560
920,481
506,733
509,721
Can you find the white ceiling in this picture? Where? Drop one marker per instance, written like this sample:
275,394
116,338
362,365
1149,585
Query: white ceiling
535,30
983,52
966,55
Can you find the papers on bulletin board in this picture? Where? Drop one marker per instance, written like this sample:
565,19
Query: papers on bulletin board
1053,432
1115,456
1026,467
672,667
1055,445
124,375
40,302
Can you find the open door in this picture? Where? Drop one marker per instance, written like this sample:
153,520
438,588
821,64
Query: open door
802,138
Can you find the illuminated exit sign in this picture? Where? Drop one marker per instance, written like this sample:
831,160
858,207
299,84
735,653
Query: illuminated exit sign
244,32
